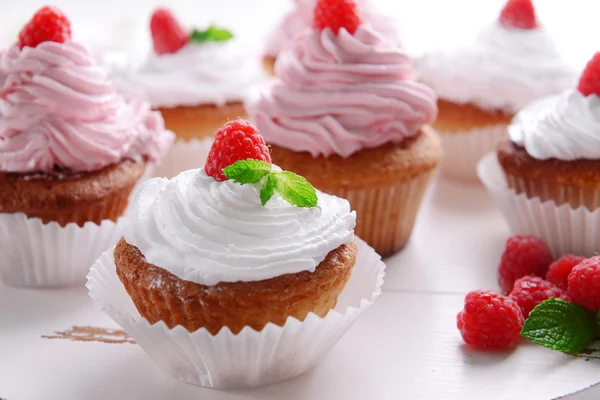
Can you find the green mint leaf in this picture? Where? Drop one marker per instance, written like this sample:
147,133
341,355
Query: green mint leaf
211,34
247,171
295,189
268,189
560,325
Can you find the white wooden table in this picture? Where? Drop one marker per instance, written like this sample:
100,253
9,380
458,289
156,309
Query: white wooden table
405,347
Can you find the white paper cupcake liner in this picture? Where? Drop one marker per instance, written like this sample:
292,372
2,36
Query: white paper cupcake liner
463,150
183,155
566,230
250,358
34,254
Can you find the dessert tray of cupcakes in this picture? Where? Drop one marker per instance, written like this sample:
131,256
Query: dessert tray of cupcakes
187,227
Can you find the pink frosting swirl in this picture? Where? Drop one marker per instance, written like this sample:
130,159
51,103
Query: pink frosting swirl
338,94
58,110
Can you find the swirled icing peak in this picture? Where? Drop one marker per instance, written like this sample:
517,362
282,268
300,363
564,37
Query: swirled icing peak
338,94
563,127
503,69
300,20
58,110
205,231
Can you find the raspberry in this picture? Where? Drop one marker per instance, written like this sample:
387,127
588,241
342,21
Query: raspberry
336,14
559,270
529,291
168,35
518,14
584,284
48,24
524,255
236,140
589,83
490,320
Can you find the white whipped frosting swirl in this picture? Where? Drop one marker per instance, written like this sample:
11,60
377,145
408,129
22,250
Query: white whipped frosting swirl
564,127
207,73
208,232
504,69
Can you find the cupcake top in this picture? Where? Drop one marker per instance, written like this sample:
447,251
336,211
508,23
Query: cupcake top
511,63
58,111
245,221
189,68
300,19
341,88
564,127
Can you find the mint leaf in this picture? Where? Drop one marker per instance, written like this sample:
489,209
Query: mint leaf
295,189
268,189
211,34
560,325
247,171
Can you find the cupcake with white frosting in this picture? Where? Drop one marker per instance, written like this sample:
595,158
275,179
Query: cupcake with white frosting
300,19
549,178
480,87
237,243
196,78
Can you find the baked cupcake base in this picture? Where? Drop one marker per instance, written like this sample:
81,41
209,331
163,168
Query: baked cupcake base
161,296
71,198
248,358
201,121
468,133
576,183
269,65
385,186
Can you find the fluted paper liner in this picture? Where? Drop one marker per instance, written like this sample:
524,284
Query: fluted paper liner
34,254
463,150
250,358
183,155
566,230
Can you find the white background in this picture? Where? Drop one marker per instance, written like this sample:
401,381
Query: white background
407,346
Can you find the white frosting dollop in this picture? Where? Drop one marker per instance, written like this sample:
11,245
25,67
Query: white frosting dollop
564,127
208,232
504,69
207,73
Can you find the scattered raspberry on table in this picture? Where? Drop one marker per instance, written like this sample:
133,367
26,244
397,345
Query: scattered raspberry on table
530,291
559,270
523,255
584,284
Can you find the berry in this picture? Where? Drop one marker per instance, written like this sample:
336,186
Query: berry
558,273
336,14
524,255
589,83
584,284
168,35
529,291
518,14
48,24
490,320
236,140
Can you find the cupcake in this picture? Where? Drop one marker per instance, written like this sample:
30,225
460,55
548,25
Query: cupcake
71,149
480,87
546,175
345,112
196,78
238,274
238,246
300,19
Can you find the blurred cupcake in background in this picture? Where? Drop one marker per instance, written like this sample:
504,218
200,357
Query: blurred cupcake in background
71,151
545,176
300,19
196,78
345,112
480,87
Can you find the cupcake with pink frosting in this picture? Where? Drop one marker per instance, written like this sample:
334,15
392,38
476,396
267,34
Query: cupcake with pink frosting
71,151
300,19
345,112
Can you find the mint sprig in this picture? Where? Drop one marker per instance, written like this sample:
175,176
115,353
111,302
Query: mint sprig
560,325
291,187
210,34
